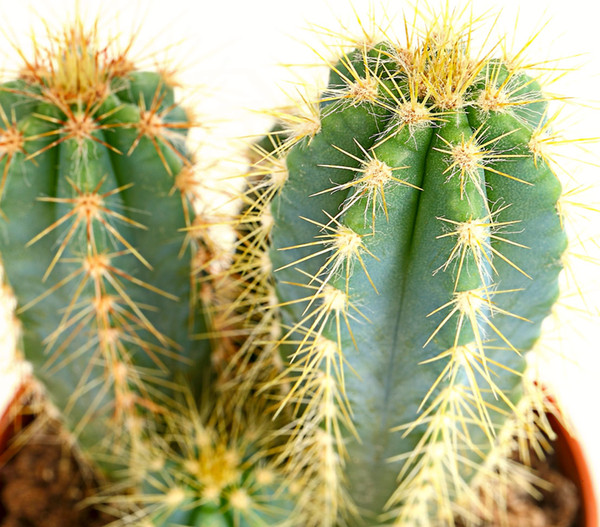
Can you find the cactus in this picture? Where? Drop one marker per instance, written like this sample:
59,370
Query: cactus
208,473
114,277
407,236
96,193
398,250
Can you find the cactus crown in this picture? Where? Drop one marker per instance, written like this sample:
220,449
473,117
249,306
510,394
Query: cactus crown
74,66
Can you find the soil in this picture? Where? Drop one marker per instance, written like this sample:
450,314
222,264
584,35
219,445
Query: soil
558,507
42,485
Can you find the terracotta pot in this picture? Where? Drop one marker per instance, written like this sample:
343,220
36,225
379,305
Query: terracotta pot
569,455
12,420
572,463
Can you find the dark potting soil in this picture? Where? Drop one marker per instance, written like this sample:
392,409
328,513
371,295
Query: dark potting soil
42,485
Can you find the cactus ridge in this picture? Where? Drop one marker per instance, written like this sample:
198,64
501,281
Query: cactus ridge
401,214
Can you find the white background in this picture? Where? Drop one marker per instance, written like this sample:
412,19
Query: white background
233,51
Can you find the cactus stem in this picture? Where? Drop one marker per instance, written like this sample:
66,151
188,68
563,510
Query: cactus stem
472,131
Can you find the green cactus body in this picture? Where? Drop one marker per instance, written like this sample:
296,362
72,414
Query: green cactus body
93,236
206,468
251,505
416,247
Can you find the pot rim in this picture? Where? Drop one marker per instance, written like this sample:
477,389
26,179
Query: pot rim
573,463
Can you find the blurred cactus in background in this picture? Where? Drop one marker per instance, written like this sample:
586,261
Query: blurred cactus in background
96,191
117,287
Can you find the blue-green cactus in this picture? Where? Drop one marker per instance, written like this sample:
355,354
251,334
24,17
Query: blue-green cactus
415,247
